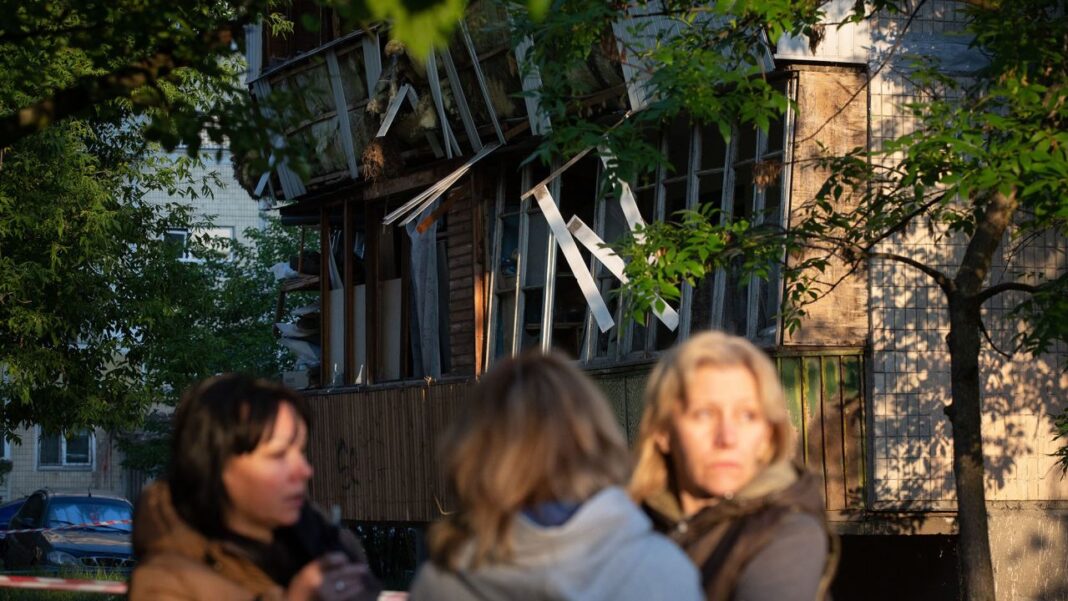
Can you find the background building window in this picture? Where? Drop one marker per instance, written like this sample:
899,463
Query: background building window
215,239
72,451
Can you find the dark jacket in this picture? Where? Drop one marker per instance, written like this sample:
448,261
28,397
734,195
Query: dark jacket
770,541
176,562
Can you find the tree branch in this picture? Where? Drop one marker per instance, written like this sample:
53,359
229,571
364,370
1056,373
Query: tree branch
990,341
120,83
979,254
997,289
940,278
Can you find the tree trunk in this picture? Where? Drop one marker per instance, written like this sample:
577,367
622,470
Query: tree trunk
965,413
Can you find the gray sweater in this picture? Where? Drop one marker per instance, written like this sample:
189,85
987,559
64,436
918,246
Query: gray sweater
607,550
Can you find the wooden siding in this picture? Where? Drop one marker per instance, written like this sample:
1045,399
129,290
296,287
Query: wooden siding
462,266
375,451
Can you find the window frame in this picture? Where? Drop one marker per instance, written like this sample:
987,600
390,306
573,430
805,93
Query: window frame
63,464
692,175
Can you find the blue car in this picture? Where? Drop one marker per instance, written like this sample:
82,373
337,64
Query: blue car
8,510
70,531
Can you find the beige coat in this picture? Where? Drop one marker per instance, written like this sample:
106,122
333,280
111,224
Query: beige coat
178,563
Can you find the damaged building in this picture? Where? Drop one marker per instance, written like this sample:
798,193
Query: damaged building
439,250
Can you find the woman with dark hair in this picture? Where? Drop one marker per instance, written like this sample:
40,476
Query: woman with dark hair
537,463
231,520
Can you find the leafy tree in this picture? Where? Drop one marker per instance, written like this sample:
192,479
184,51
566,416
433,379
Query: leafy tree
219,318
68,58
988,163
73,299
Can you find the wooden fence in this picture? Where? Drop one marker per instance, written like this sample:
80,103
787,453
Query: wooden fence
375,451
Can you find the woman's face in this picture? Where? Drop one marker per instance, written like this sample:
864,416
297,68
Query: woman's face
718,438
267,486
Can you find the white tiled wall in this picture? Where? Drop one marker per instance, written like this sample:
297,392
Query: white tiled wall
912,436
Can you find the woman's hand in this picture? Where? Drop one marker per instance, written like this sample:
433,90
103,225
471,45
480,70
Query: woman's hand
333,577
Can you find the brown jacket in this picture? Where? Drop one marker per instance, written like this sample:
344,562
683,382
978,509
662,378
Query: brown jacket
178,563
724,538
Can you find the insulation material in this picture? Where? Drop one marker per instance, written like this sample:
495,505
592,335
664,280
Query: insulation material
615,265
570,250
307,353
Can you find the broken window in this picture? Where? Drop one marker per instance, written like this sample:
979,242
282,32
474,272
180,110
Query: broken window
536,300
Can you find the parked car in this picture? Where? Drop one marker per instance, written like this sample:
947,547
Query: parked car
8,510
72,533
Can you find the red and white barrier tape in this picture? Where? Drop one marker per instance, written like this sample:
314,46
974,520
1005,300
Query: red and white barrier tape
113,587
66,527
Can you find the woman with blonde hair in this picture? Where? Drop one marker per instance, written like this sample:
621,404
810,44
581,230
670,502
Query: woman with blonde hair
715,472
537,462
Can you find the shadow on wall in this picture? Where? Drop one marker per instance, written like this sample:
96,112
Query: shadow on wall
892,568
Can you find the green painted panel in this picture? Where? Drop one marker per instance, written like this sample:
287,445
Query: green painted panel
853,424
813,413
790,372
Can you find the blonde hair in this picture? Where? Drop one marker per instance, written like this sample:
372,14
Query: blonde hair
536,430
665,393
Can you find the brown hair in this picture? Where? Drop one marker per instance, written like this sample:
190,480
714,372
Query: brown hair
535,430
665,392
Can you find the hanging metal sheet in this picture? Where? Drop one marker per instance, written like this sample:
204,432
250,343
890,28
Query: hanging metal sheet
579,269
615,265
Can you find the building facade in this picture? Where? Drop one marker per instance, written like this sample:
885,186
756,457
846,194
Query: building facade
440,253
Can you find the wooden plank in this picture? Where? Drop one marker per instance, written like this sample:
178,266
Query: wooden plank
324,296
370,218
350,292
813,415
407,361
790,372
833,454
853,422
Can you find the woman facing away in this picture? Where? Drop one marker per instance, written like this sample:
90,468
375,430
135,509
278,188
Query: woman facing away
536,462
231,520
715,473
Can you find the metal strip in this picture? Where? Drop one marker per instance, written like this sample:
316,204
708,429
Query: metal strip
253,51
442,185
539,122
616,266
372,60
342,107
574,258
434,82
461,101
481,80
391,110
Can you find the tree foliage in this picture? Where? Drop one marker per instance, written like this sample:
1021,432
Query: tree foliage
76,288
